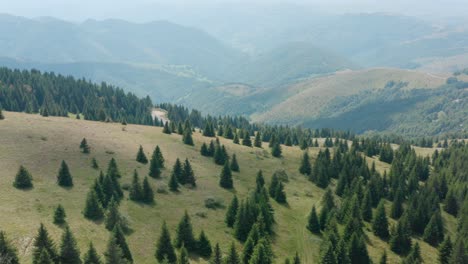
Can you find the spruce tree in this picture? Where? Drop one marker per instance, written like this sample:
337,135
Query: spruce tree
64,177
23,179
366,206
113,216
120,240
141,157
204,245
232,212
397,205
357,250
260,180
434,231
94,164
445,251
91,256
217,257
187,137
261,254
156,163
183,257
59,215
273,185
305,167
276,150
451,204
173,183
135,193
341,253
232,256
204,150
177,171
280,195
246,141
328,256
414,257
400,239
459,252
188,176
383,258
113,254
313,224
235,140
225,180
258,140
2,117
43,242
380,222
8,252
166,129
44,258
184,234
84,146
93,209
69,251
296,259
164,248
234,164
147,194
220,155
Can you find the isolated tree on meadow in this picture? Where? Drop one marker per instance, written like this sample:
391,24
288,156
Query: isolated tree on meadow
258,140
204,245
306,167
59,215
234,164
84,146
141,157
225,180
23,179
313,224
64,177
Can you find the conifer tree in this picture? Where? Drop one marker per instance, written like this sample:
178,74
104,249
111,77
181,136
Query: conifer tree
183,257
204,150
44,258
434,231
113,254
2,117
184,234
69,251
383,258
357,250
91,256
217,257
135,188
400,239
64,177
141,157
156,163
147,194
276,150
451,204
232,212
380,222
313,224
397,205
273,185
59,215
166,129
188,174
8,252
341,253
234,164
305,167
260,180
120,240
445,251
113,170
366,206
225,180
220,155
84,146
177,170
164,248
328,256
296,259
93,209
246,141
113,216
23,179
204,245
258,140
232,256
173,183
280,195
235,140
43,242
414,257
261,253
187,138
459,252
94,164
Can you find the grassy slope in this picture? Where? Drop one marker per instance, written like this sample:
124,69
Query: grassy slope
41,143
305,99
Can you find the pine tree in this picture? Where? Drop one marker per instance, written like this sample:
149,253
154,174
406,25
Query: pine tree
232,257
225,180
59,215
235,140
91,256
313,224
341,253
113,254
434,231
260,180
204,150
451,204
366,206
113,216
397,205
184,235
261,253
445,251
246,141
164,248
69,251
183,257
217,257
280,195
44,258
220,156
357,250
258,140
414,257
64,177
166,129
305,167
234,164
177,171
43,242
141,157
23,179
173,183
93,209
113,170
328,257
120,240
232,212
400,239
204,245
147,194
156,163
84,146
459,252
188,175
273,185
276,150
380,222
187,138
94,164
135,188
7,252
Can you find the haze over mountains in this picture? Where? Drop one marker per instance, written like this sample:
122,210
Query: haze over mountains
245,66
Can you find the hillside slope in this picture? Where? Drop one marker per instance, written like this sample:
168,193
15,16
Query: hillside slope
41,143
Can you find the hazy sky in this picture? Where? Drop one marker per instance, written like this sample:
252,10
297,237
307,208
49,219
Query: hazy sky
147,10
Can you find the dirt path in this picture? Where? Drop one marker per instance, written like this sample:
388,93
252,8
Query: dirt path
161,114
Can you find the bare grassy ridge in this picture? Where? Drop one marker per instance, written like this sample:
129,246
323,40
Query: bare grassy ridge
41,143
